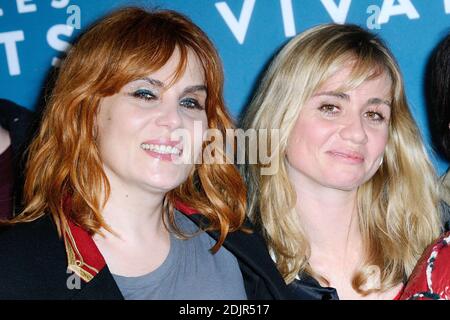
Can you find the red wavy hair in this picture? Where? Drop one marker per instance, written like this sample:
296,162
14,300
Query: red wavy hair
64,161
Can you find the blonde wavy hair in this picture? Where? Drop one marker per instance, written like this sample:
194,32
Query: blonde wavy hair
397,207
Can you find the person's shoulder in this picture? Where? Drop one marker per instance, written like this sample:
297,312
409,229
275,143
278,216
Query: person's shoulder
42,229
26,242
10,110
32,260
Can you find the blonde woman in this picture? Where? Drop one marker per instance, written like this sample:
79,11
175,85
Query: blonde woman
353,203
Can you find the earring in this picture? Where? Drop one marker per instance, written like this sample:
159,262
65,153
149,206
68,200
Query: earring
381,162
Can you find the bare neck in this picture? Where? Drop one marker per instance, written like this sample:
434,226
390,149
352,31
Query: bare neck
133,213
328,217
135,216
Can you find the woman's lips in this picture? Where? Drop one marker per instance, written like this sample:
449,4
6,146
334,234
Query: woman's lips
166,150
347,156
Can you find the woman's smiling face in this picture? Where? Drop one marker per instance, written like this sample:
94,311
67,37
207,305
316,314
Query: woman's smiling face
339,138
135,127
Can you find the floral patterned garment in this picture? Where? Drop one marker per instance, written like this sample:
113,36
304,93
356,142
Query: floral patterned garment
430,279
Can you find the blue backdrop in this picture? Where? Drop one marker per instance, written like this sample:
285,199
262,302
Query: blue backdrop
34,33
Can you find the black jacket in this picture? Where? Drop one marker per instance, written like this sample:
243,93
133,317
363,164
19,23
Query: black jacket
33,265
20,123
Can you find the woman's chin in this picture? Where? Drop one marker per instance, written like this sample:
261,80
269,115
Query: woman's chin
163,183
345,184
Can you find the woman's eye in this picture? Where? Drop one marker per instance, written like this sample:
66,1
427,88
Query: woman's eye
374,116
329,109
191,103
143,94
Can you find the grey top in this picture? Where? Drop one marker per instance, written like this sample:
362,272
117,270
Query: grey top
189,271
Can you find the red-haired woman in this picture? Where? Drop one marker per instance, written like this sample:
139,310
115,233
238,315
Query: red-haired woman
114,197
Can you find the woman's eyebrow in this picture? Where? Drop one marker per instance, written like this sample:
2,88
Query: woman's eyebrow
154,82
192,89
160,84
344,96
339,95
377,101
